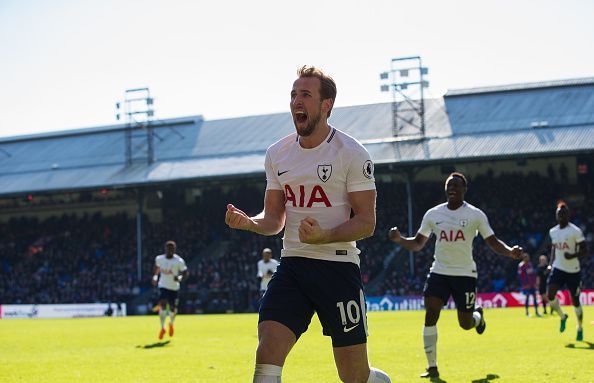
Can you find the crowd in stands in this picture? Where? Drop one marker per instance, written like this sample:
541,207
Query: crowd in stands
92,258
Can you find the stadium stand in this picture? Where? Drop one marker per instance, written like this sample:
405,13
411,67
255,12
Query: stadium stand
69,200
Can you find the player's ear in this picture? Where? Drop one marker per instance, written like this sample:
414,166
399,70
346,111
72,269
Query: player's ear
327,105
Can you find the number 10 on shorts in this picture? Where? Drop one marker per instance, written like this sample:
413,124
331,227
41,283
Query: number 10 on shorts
350,310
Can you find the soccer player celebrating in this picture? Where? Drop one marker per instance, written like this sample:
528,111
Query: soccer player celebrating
455,224
316,178
169,270
266,267
567,245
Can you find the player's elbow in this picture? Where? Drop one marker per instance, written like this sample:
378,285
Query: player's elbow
368,228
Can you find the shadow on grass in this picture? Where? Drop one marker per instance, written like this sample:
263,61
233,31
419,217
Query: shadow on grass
487,379
154,345
581,345
437,380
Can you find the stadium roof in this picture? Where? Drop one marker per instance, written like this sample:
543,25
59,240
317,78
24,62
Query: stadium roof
551,118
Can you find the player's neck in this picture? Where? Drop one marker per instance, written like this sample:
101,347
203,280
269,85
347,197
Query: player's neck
455,205
317,137
563,225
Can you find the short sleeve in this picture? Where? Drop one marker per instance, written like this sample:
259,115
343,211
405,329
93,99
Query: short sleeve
579,236
483,225
182,266
271,177
425,229
360,171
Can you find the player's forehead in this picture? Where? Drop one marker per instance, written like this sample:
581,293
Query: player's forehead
454,181
310,84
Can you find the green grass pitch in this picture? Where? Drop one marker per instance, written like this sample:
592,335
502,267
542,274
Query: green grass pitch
220,348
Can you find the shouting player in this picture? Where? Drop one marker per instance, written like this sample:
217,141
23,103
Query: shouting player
169,270
453,273
567,245
320,188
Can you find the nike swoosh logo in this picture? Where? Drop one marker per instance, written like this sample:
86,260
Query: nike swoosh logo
281,173
347,329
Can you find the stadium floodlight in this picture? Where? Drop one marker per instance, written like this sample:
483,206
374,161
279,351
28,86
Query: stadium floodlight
424,70
425,84
385,88
384,75
404,73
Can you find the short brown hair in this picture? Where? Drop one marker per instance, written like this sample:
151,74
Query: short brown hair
327,84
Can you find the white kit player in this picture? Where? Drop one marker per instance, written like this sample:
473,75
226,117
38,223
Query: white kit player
266,268
453,273
169,270
567,245
320,189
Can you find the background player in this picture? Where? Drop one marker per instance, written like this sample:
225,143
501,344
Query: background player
542,271
527,277
567,245
266,267
320,188
453,273
169,270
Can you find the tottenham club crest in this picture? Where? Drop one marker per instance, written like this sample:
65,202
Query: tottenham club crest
324,172
463,222
368,169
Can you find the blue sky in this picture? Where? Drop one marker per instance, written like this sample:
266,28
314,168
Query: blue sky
64,64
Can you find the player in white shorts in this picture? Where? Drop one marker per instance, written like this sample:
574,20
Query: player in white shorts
266,268
169,270
316,178
453,273
567,246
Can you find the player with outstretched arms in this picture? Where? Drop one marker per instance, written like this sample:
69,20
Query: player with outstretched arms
455,223
169,270
321,190
567,246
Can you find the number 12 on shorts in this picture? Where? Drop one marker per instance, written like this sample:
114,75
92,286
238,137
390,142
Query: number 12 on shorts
350,310
470,299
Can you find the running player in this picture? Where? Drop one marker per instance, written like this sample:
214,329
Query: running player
453,273
169,270
266,267
321,189
567,245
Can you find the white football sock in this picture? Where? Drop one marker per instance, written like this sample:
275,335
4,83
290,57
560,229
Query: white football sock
162,316
556,306
477,318
267,373
579,313
378,376
430,343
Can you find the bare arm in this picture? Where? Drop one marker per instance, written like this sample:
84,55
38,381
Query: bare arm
183,275
269,222
501,248
415,243
582,251
156,271
360,225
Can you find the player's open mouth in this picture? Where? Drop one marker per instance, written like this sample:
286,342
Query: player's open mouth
300,117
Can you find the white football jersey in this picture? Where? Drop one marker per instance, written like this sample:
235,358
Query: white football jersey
565,241
316,183
265,271
170,268
454,232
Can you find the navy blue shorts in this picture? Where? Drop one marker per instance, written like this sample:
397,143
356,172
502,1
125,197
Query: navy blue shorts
563,278
461,288
333,290
170,296
531,291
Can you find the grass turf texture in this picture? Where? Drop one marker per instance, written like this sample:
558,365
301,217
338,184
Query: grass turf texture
220,348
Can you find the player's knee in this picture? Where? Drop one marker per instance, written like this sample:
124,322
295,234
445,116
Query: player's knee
270,353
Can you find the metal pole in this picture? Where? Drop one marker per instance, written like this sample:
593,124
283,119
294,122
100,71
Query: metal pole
411,256
139,235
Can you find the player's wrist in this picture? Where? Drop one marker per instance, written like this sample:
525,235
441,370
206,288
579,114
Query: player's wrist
155,277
